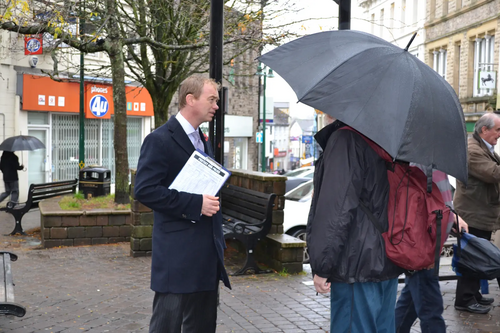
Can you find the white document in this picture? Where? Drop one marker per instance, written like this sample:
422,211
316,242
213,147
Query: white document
200,175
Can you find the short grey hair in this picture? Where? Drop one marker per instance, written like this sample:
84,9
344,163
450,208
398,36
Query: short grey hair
487,120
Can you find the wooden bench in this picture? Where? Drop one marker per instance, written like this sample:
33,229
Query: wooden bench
37,193
247,217
7,305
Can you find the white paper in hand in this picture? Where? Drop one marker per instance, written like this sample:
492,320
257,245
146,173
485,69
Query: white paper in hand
200,175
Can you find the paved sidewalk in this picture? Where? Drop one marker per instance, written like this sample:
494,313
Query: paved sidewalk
103,289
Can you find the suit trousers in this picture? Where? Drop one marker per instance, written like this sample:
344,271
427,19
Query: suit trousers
468,288
194,312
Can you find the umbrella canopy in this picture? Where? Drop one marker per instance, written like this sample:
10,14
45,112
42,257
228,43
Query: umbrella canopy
21,142
382,91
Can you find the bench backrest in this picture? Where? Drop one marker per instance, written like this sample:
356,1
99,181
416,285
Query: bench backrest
246,205
39,192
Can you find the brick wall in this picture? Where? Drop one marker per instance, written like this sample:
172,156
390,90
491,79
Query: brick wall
74,228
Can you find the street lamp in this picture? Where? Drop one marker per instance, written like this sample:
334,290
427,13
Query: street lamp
265,72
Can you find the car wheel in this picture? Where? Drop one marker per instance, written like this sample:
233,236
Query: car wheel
301,234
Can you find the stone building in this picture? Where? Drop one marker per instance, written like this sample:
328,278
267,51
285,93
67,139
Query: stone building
461,39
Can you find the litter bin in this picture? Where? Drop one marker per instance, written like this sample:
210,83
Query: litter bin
94,181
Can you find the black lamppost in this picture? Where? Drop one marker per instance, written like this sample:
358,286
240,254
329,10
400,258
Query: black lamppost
216,126
344,14
81,141
265,73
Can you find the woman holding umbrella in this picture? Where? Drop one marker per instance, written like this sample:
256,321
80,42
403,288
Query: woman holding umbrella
9,164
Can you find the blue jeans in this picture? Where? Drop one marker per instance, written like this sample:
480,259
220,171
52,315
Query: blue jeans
363,307
420,297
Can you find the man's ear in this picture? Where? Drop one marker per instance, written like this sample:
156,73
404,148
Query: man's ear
190,99
484,128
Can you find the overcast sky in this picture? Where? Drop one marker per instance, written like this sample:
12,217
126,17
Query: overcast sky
314,9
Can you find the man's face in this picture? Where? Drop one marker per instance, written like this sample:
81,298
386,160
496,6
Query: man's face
206,105
491,135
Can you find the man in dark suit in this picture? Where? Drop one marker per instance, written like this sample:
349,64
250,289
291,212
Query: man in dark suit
188,243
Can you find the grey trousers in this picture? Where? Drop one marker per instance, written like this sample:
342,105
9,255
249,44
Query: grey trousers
194,313
12,189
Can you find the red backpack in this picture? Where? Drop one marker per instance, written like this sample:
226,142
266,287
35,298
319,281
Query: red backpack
418,219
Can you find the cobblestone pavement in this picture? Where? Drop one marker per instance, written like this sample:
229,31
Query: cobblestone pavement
103,289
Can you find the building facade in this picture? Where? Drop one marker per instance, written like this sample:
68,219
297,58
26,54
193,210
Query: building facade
463,42
33,104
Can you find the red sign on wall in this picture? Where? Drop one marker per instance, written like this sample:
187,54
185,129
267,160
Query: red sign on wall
33,44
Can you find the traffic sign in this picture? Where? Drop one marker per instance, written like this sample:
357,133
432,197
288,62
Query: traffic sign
258,137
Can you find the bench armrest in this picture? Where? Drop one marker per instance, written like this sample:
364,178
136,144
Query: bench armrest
240,227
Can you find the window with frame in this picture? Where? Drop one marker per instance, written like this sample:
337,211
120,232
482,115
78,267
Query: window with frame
439,62
484,52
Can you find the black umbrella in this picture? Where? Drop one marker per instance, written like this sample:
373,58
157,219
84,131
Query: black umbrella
21,142
382,91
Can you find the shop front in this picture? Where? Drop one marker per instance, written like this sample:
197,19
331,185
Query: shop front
51,111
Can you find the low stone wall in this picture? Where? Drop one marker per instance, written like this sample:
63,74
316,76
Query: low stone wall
73,228
141,240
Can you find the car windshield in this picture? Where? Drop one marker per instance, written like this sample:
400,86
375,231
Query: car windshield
300,192
296,173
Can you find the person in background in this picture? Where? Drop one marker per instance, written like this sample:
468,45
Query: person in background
9,164
478,203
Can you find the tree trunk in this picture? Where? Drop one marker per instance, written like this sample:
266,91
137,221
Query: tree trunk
115,51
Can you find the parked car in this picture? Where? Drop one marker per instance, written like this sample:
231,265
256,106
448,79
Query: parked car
298,172
302,177
297,204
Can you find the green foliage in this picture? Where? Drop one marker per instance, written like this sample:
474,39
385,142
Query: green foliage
78,202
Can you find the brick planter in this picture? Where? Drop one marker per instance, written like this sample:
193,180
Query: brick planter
73,228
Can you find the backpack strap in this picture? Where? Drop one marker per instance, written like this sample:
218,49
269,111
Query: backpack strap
437,255
371,216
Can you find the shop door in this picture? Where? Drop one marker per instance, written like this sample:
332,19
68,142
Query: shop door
38,160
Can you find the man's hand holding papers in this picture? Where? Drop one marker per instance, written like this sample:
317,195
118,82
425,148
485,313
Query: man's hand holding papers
210,205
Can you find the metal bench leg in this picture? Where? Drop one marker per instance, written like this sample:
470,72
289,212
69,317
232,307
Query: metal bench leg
250,265
12,309
18,229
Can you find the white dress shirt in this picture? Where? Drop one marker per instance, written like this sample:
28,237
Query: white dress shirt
490,147
192,133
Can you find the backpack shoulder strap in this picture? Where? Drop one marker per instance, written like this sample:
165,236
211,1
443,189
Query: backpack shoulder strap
371,216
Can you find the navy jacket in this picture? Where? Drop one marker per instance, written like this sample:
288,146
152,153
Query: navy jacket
188,248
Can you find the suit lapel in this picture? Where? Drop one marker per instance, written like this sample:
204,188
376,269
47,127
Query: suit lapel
180,136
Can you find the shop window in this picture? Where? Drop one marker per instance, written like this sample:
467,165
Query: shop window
484,52
38,118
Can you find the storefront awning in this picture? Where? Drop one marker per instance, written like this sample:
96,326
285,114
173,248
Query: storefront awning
40,93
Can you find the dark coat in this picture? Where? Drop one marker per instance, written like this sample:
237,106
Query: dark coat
344,245
478,203
188,248
9,164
